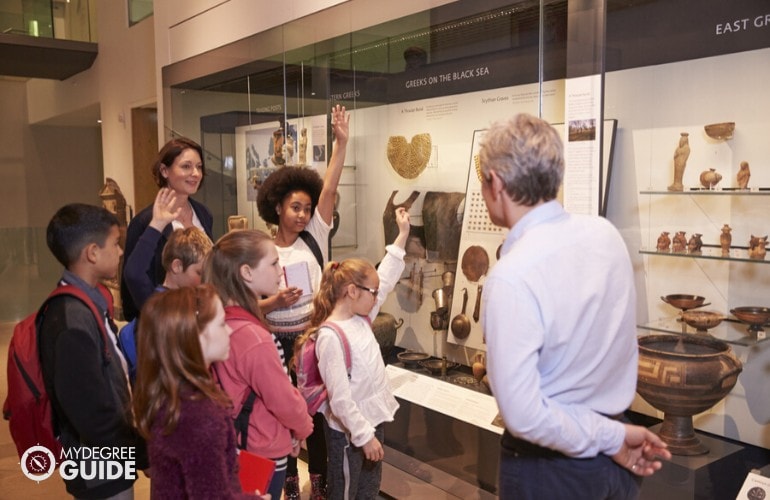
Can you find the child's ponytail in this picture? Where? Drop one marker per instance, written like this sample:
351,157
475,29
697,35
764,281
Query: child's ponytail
323,305
336,276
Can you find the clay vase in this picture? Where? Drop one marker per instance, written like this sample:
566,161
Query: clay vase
757,247
385,328
680,242
710,178
683,376
695,244
726,239
664,242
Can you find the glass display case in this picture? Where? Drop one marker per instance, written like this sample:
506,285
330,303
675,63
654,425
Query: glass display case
655,105
421,86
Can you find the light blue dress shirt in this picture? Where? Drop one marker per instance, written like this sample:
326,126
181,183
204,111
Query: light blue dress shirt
560,325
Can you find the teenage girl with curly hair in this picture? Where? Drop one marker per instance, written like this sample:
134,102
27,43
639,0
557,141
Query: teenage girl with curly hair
301,205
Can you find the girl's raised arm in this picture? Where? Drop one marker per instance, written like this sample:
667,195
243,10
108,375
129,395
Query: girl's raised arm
341,129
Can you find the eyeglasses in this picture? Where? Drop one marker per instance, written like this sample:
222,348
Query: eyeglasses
373,291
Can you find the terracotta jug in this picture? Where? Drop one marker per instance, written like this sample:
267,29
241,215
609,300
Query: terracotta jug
710,178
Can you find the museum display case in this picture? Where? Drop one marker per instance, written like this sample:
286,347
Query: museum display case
421,89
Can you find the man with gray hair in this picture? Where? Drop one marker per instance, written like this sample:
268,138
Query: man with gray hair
559,320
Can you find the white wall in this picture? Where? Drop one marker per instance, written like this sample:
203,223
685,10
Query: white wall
122,77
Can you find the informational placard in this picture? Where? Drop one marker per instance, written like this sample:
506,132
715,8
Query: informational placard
455,401
582,158
755,487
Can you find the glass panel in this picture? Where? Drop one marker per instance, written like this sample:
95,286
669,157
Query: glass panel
667,89
28,17
138,10
65,20
730,330
454,50
210,116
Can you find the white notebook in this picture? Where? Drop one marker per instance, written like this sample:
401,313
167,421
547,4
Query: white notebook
298,274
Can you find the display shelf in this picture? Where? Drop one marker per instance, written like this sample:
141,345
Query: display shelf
730,330
712,252
712,192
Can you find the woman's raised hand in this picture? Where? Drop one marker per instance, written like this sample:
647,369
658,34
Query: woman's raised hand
164,210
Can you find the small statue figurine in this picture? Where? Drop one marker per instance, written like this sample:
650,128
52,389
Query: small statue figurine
725,239
681,154
695,243
303,147
288,150
710,178
664,242
757,247
278,158
743,175
680,242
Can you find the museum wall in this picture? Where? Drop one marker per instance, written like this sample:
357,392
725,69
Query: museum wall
40,171
119,80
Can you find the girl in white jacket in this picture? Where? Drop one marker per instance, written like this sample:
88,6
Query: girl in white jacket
358,403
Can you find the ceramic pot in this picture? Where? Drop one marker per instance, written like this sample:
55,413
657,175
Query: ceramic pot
710,178
385,328
683,376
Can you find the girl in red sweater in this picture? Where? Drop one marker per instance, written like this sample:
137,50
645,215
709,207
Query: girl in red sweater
243,266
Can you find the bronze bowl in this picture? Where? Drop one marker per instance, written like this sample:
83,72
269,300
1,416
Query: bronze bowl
434,365
720,131
411,359
683,375
683,301
702,320
755,317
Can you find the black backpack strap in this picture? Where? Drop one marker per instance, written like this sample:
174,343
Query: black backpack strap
313,245
242,420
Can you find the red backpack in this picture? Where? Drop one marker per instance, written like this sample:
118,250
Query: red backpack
27,406
309,381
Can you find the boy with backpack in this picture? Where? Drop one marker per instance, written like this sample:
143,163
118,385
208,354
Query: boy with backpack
83,370
182,259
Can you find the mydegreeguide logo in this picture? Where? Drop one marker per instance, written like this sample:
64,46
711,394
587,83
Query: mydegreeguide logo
38,463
